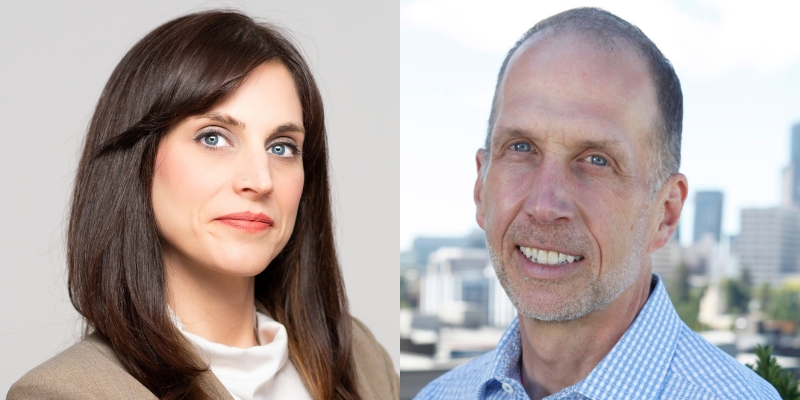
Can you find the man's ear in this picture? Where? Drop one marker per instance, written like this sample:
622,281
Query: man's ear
669,209
478,193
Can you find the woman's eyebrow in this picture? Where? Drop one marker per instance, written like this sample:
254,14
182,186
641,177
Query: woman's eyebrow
231,121
290,127
224,119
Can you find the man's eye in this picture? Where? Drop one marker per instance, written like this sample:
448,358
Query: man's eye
521,147
597,160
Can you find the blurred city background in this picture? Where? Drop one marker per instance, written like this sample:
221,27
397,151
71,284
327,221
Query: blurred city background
733,267
737,291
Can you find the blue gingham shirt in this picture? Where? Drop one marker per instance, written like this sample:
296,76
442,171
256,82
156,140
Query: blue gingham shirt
658,357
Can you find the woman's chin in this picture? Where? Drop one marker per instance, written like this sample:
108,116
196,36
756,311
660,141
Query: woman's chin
234,267
212,268
240,258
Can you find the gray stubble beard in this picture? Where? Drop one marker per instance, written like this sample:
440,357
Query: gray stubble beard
599,295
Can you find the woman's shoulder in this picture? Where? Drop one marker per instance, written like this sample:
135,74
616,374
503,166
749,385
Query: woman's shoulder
88,369
375,370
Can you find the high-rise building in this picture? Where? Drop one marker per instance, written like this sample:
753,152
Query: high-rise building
791,174
768,243
707,215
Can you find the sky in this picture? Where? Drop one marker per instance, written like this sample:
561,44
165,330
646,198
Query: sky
738,62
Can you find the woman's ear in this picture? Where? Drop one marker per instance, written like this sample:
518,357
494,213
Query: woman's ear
668,208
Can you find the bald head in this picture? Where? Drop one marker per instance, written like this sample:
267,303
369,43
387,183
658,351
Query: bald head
618,38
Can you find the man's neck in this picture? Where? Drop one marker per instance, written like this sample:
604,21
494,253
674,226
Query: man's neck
556,355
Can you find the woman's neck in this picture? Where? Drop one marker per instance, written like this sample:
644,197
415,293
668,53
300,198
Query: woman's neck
216,307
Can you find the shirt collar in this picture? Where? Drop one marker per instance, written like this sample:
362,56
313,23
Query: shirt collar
508,355
636,366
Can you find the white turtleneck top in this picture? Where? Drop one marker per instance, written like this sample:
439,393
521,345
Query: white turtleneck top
256,373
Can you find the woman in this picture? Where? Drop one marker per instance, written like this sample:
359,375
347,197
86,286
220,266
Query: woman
200,244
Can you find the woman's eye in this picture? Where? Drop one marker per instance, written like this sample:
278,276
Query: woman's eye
282,149
521,147
214,140
597,160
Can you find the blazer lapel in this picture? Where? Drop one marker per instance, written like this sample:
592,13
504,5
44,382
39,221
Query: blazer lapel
208,382
211,386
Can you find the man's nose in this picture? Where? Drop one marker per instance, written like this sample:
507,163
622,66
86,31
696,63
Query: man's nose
549,198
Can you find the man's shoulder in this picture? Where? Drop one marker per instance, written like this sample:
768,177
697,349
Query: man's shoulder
460,382
703,369
87,369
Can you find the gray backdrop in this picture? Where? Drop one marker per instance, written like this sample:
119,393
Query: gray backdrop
55,58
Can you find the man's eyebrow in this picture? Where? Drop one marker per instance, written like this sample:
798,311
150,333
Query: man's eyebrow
223,119
504,133
600,144
605,144
516,132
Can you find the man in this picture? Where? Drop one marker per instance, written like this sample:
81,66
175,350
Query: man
577,184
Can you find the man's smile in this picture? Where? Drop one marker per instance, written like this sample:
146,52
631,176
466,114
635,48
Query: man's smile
545,257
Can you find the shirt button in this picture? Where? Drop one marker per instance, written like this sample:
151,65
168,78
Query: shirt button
508,388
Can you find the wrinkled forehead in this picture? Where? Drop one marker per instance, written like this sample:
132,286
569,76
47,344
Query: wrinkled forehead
578,63
563,78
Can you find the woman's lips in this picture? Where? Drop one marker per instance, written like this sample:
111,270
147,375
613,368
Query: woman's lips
247,221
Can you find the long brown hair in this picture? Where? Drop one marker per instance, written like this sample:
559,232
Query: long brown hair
116,271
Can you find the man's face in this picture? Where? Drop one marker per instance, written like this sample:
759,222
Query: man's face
564,197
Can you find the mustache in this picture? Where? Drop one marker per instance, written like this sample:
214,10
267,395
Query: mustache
554,235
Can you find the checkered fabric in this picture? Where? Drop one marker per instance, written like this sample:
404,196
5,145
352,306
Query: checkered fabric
658,357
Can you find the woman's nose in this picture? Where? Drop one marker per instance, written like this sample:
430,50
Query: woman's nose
253,176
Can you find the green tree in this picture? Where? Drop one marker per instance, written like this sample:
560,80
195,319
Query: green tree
764,295
680,284
767,367
685,298
745,277
738,292
785,305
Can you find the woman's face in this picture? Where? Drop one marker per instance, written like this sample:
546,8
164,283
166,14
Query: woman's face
227,183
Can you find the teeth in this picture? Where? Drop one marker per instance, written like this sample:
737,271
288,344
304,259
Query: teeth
552,257
548,257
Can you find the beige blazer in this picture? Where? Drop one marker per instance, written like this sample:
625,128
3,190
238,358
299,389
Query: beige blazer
90,369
